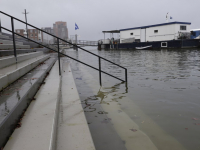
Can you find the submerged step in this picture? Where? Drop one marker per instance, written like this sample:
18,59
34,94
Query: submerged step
6,61
11,73
16,98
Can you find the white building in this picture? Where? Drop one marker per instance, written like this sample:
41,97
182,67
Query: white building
158,32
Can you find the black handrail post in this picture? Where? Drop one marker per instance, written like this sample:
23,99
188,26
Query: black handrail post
13,35
100,71
0,25
126,77
58,56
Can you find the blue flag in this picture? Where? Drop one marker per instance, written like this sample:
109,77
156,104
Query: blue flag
170,17
76,27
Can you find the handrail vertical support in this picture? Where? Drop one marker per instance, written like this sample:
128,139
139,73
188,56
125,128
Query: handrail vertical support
13,35
126,78
100,71
59,56
0,25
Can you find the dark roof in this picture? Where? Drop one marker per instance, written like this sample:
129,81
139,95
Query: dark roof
111,31
156,25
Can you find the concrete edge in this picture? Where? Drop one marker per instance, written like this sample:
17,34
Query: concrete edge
9,124
4,62
12,76
52,145
79,136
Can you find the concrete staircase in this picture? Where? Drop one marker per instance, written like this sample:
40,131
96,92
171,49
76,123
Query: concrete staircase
54,118
7,43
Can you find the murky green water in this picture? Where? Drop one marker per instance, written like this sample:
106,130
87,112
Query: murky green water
159,110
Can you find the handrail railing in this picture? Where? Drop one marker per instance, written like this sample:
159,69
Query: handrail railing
59,39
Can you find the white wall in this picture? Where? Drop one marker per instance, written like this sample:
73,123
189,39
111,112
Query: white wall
127,34
165,33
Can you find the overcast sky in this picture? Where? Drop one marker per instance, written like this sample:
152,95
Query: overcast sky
95,16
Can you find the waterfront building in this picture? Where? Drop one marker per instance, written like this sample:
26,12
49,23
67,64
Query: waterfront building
60,29
33,34
158,32
46,38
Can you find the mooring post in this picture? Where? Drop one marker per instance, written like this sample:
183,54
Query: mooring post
13,35
58,56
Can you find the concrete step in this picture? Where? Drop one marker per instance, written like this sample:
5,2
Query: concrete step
4,36
9,60
37,123
11,73
73,132
17,97
42,129
22,51
10,42
10,46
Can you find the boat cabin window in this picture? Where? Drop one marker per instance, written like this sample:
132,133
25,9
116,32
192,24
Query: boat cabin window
131,33
155,31
163,44
182,27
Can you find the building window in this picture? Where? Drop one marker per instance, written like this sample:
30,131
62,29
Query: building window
182,27
31,31
155,31
131,33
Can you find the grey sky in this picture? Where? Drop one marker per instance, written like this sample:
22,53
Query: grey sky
94,16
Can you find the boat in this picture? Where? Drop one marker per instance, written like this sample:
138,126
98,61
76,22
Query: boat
145,47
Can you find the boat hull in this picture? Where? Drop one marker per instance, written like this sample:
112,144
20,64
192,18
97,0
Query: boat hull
186,43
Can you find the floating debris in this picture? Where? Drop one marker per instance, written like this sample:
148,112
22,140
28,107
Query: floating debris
102,112
134,130
106,120
195,118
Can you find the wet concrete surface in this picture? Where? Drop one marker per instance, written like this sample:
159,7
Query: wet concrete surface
12,94
162,96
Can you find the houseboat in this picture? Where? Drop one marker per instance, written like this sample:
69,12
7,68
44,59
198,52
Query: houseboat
165,35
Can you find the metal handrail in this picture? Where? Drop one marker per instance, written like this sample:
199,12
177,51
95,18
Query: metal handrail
59,39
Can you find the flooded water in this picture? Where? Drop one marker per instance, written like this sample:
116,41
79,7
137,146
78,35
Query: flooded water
160,109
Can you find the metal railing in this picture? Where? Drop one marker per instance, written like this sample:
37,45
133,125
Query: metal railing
86,43
58,51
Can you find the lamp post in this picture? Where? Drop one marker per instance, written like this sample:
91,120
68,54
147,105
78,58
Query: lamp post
26,21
